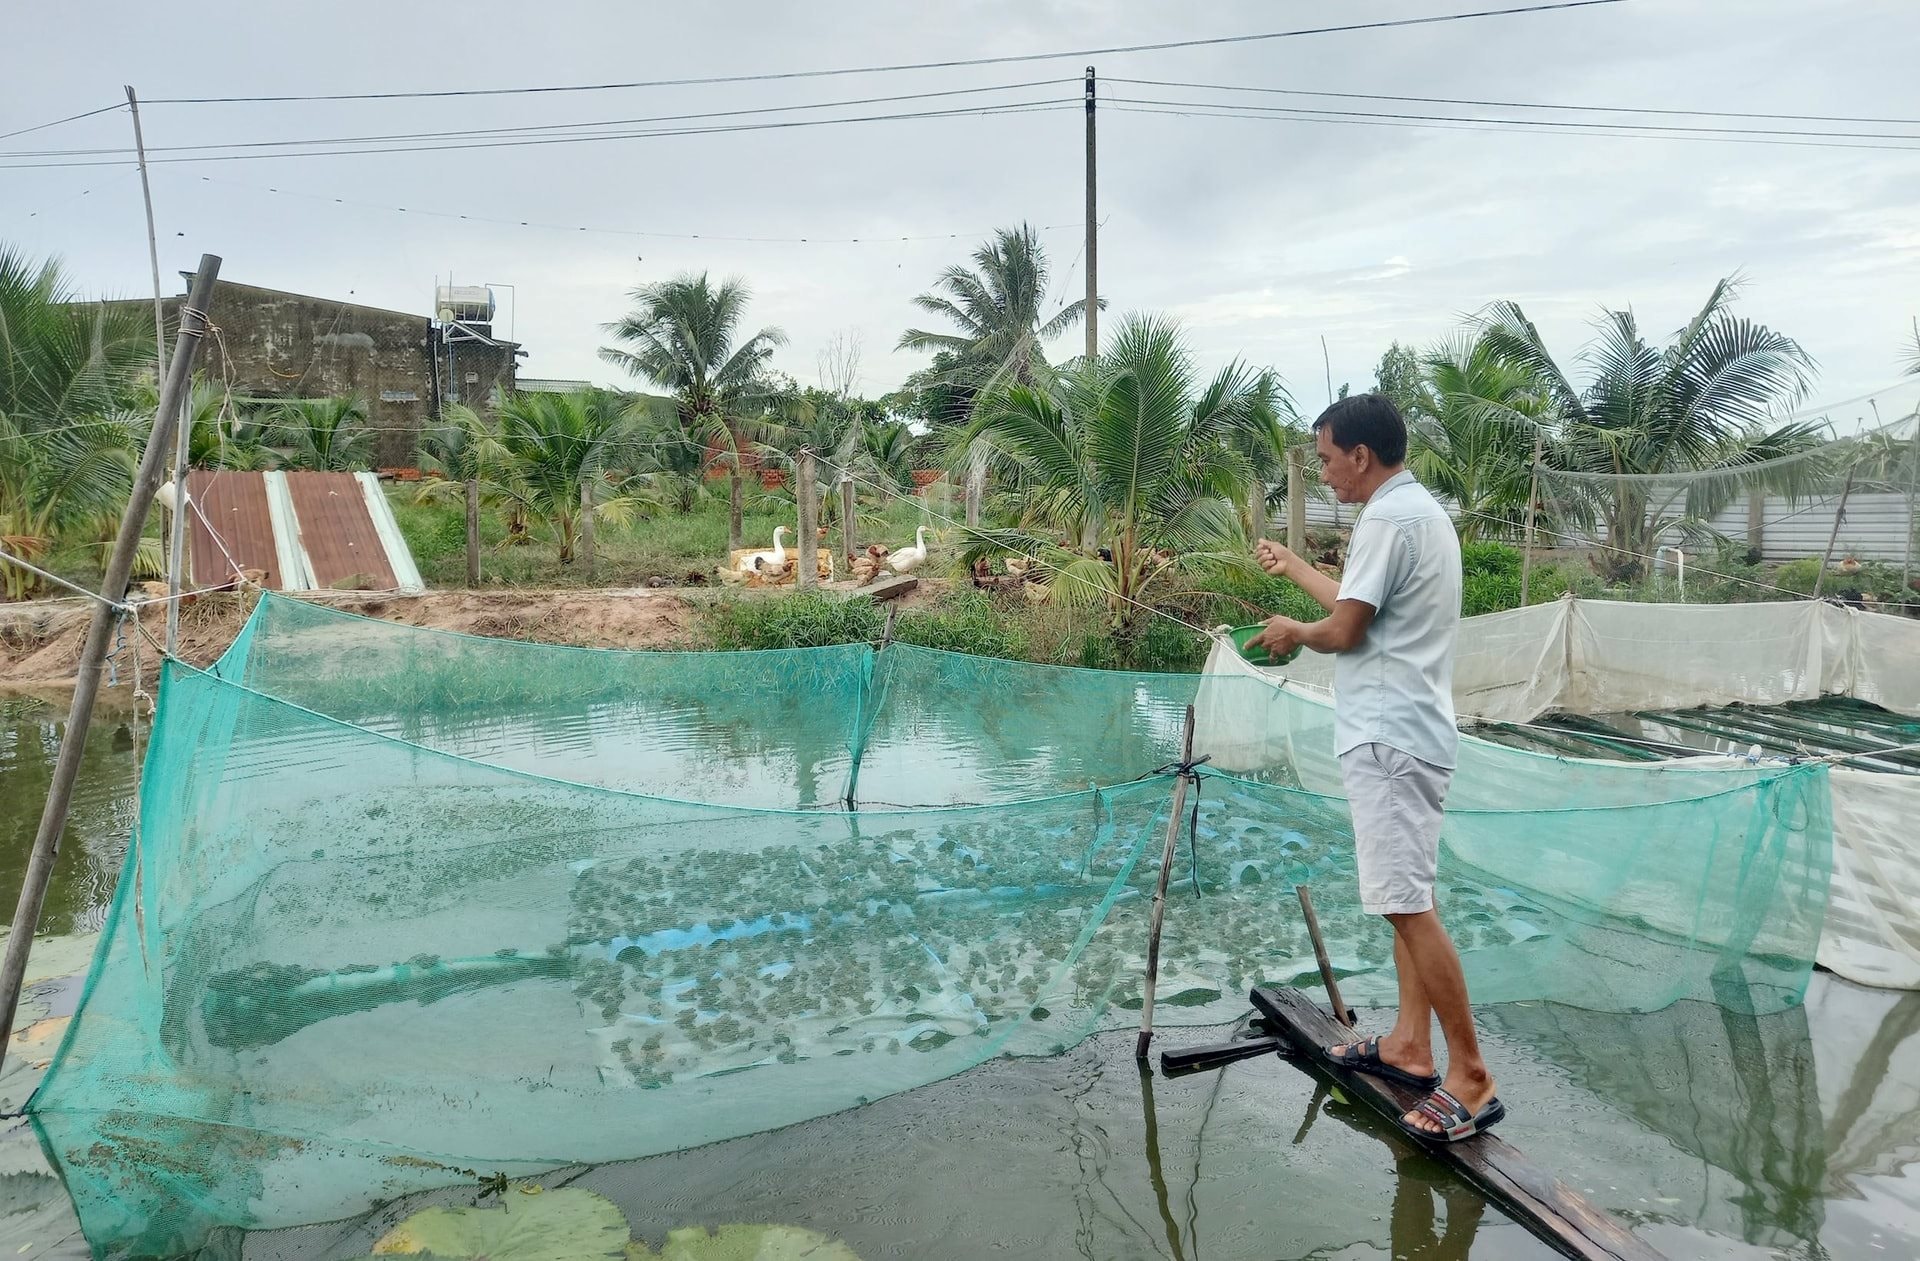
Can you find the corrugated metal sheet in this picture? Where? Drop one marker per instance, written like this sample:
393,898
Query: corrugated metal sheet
337,531
321,531
232,521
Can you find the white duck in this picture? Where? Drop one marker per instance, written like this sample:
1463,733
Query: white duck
761,561
908,559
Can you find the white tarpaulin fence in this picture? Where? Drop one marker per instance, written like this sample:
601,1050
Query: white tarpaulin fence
1594,657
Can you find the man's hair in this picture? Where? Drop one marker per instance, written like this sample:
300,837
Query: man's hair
1369,419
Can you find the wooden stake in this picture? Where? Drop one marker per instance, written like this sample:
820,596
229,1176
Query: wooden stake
586,524
1296,500
86,686
1533,510
1160,891
807,493
473,532
848,527
1341,1012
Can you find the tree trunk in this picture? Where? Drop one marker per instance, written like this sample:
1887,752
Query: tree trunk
1257,510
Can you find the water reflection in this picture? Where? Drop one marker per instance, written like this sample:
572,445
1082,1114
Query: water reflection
102,813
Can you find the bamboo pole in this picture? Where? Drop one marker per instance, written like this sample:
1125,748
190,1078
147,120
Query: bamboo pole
805,491
86,687
1839,515
1341,1012
1180,784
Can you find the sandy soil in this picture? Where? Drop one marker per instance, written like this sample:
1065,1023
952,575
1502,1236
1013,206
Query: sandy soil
40,641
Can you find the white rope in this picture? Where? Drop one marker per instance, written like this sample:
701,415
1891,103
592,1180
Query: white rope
1834,758
95,596
1044,564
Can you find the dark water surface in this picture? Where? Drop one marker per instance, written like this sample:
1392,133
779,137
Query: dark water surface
1714,1135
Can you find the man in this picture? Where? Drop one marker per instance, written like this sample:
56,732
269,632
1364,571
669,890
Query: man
1391,621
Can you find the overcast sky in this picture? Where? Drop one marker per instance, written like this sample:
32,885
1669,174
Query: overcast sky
1262,235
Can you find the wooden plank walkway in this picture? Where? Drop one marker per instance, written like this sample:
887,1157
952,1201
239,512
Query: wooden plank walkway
1553,1211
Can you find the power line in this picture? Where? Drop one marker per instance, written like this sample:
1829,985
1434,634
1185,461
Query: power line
872,239
1019,107
1201,110
887,69
71,118
1602,109
558,129
1685,129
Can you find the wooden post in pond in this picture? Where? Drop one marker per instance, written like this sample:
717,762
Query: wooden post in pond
805,490
586,524
1341,1011
473,532
1180,783
106,613
848,528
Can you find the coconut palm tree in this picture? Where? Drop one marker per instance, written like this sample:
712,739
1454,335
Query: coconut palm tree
1703,404
1472,439
555,443
1126,456
996,308
59,478
62,360
324,434
684,336
997,312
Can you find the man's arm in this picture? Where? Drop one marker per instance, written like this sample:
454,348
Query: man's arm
1282,562
1339,631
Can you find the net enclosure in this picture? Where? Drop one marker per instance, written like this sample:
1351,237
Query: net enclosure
407,907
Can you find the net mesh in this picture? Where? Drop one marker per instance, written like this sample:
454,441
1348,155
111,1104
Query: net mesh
1744,517
413,908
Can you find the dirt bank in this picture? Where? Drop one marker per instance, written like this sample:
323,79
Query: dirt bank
40,642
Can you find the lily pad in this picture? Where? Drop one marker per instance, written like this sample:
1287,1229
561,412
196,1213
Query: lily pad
565,1225
750,1243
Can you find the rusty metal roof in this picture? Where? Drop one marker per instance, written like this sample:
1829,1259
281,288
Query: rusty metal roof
306,531
234,522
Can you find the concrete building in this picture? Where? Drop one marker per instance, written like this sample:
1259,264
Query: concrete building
406,367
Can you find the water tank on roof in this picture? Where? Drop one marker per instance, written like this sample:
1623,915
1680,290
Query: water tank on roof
467,304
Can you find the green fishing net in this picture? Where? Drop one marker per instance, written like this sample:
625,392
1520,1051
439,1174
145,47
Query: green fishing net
408,908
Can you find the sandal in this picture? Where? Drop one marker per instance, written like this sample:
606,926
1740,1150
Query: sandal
1364,1057
1452,1116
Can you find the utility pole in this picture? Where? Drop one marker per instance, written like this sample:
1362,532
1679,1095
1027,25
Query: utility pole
153,247
106,612
1093,236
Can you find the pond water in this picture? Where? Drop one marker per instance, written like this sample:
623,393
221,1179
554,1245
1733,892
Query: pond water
1714,1135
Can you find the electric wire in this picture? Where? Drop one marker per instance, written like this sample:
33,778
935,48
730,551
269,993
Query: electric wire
538,128
1201,110
1538,105
958,63
1017,107
71,118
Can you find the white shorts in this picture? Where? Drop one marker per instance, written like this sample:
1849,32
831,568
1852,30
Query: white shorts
1395,800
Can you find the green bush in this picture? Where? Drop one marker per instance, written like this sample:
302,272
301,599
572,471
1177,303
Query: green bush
809,619
1798,576
1492,558
967,621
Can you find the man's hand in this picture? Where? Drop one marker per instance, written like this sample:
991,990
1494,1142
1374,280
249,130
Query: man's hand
1276,558
1282,634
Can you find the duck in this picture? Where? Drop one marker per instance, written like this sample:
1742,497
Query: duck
908,559
762,561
